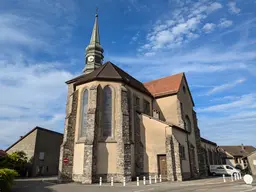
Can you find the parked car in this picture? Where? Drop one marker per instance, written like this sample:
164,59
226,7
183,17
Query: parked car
223,169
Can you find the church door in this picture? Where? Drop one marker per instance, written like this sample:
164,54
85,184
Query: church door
162,166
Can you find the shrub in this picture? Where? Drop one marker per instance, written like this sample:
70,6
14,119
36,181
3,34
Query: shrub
16,161
6,179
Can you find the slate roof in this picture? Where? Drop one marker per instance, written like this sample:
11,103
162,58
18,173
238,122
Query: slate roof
110,72
238,151
208,141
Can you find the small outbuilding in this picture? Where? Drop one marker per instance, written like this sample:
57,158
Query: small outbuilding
42,147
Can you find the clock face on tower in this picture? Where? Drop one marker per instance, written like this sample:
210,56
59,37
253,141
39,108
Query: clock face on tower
91,58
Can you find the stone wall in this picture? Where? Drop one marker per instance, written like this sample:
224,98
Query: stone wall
123,140
90,144
200,152
174,172
67,147
176,159
180,114
51,150
139,150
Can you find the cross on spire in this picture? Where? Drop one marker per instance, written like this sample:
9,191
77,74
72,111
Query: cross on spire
97,9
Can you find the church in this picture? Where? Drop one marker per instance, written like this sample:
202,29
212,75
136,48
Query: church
117,126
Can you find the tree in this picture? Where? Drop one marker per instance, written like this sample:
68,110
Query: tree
17,161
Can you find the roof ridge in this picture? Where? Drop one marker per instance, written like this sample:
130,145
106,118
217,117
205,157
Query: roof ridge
115,66
29,132
182,73
103,67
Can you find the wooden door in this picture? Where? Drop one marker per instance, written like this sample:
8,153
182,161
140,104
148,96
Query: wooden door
162,166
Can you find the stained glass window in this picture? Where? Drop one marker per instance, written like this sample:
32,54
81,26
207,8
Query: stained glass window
107,112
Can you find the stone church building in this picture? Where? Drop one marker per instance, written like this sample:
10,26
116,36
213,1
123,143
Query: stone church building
118,127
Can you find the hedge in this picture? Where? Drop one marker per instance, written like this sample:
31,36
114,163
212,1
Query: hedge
6,179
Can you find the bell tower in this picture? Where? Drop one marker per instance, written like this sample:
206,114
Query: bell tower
94,51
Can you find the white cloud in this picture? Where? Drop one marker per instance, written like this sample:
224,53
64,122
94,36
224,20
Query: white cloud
224,23
204,68
181,28
223,87
238,123
135,37
12,33
31,92
209,27
245,100
34,87
150,54
232,8
214,6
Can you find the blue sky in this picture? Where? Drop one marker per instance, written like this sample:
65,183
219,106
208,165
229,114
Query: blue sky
42,45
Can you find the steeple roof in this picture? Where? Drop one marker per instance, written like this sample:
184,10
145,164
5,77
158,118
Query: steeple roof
110,72
95,38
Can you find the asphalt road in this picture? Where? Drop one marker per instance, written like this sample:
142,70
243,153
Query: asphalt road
209,185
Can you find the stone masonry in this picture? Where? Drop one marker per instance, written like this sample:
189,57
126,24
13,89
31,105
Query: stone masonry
123,140
174,172
90,145
139,148
200,151
180,117
169,159
67,148
176,159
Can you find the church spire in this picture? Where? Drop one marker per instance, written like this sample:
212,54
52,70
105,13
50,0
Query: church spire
94,51
95,38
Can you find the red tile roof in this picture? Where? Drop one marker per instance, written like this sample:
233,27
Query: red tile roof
165,86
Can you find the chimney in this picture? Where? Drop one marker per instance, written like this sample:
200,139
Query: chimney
242,146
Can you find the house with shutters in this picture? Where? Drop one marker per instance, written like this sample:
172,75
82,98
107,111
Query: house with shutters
117,126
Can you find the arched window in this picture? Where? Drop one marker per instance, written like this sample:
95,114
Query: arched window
187,124
84,113
107,112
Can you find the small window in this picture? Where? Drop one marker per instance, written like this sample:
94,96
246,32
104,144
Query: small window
187,124
184,89
137,103
146,107
182,152
181,109
156,114
41,156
